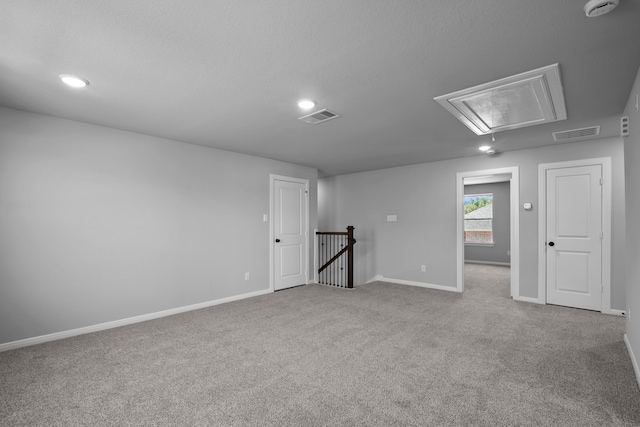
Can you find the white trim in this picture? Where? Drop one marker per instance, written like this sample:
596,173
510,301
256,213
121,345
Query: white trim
605,162
615,312
634,362
492,244
376,278
336,287
316,257
471,261
272,179
380,278
514,192
542,248
123,322
528,299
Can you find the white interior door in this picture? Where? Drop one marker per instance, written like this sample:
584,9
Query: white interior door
290,234
574,236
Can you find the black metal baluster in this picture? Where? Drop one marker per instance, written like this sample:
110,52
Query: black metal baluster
322,257
337,281
324,272
344,264
335,266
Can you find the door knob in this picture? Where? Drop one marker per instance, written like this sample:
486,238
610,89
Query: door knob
551,244
277,240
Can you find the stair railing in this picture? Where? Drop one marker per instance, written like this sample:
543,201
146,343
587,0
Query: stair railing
335,254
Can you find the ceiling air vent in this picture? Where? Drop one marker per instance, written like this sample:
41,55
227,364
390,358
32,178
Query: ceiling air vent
319,117
526,99
576,133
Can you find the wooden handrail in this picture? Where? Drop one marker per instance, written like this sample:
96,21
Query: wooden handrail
336,256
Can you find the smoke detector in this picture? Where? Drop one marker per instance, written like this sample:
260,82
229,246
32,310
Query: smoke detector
595,8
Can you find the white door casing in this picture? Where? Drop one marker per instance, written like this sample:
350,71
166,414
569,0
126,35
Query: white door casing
289,232
574,230
514,218
563,254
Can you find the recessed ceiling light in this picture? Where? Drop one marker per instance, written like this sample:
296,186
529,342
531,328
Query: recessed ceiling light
73,81
484,148
306,104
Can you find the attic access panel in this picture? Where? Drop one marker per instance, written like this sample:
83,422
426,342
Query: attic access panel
526,99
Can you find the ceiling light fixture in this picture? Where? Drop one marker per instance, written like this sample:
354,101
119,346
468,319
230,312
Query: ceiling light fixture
484,148
73,81
306,104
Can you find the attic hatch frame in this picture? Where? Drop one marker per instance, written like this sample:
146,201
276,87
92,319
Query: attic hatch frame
526,99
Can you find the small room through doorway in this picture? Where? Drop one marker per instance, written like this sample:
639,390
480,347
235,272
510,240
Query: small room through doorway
486,244
487,234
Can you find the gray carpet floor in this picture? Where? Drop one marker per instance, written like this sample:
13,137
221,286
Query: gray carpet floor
380,355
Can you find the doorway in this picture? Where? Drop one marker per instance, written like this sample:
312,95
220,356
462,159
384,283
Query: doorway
289,232
512,173
575,234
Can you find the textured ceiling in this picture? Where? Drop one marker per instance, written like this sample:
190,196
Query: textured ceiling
227,73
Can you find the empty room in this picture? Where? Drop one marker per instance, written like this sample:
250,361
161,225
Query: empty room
293,213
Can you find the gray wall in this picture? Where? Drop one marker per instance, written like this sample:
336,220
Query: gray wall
98,225
632,170
501,224
424,198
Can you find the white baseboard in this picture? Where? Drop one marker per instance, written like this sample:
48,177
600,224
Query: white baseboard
471,261
380,278
634,362
377,278
537,301
528,299
122,322
614,312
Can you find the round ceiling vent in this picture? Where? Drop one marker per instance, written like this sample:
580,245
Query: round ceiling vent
595,8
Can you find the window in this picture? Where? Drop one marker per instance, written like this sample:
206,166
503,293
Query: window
478,218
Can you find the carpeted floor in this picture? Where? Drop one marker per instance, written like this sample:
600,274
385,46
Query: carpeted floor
380,355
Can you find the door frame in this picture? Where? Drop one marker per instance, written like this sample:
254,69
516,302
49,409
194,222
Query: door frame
605,162
514,194
272,271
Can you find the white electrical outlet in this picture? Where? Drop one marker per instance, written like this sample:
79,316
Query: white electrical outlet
423,268
508,253
247,276
265,217
392,218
